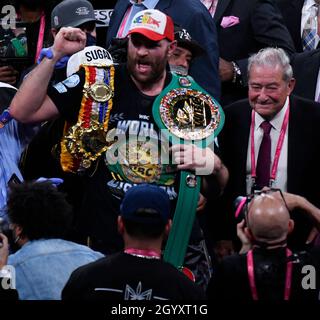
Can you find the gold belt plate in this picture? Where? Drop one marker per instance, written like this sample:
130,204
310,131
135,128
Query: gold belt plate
99,92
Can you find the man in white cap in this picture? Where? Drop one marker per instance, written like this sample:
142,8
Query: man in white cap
40,158
189,15
136,85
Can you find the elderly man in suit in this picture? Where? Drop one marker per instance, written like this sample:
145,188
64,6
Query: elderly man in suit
271,139
187,14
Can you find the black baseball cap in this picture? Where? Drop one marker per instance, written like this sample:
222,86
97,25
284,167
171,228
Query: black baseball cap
146,196
184,40
72,13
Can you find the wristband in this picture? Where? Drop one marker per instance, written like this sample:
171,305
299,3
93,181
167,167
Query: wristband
5,117
236,72
47,53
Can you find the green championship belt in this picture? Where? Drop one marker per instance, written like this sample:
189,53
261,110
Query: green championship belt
187,114
138,161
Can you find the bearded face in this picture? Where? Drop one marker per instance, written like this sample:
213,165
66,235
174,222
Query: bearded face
146,59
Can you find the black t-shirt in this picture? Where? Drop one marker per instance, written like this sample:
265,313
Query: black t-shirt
231,283
104,189
126,277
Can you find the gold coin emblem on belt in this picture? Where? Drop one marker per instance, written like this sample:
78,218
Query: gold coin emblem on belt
99,92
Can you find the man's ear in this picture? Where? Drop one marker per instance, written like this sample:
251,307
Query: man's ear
54,32
290,226
172,47
17,229
291,85
248,233
120,225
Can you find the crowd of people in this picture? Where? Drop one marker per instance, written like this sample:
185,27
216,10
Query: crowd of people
96,200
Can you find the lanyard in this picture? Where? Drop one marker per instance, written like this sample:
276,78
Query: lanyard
149,254
40,36
250,266
124,22
278,149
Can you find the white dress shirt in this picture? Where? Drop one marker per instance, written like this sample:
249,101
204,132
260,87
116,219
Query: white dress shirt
211,5
317,94
281,176
131,11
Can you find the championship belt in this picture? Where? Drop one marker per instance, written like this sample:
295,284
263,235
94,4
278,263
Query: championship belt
187,114
84,142
137,161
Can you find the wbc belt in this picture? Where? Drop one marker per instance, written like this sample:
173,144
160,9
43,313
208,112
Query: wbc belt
187,114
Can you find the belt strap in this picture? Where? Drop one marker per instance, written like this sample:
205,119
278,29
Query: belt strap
171,104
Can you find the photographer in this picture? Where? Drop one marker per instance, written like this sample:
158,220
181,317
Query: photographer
266,269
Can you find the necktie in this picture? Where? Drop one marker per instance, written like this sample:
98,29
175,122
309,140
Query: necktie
264,157
211,5
126,22
310,29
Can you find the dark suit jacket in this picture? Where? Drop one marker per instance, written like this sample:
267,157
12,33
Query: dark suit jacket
303,154
291,12
305,70
261,25
194,17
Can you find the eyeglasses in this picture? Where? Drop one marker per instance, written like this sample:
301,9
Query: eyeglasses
259,193
243,206
264,191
